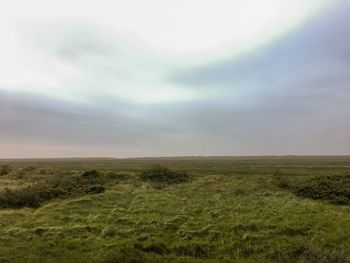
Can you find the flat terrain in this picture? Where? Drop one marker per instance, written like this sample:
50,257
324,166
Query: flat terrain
233,209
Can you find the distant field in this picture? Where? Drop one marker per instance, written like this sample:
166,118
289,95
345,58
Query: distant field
232,209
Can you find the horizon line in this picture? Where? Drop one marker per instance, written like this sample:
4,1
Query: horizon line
178,156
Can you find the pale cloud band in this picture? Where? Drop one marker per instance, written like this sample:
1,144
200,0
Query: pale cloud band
83,49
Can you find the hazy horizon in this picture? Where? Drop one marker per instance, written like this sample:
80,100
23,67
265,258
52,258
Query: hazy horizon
180,78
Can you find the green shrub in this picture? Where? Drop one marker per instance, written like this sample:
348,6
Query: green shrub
160,174
49,193
5,169
335,189
88,178
89,182
157,248
281,180
28,169
306,253
27,197
196,250
131,254
91,174
95,189
117,175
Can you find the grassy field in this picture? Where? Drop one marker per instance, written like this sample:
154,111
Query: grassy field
233,209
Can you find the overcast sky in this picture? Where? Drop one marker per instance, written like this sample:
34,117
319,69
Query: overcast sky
163,78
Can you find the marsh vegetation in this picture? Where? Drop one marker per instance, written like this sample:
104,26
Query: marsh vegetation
243,209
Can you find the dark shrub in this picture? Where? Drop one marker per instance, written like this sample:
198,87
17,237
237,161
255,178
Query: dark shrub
48,192
132,254
19,198
28,169
87,178
192,250
95,189
335,189
57,187
117,176
90,174
306,253
280,180
157,248
4,169
160,174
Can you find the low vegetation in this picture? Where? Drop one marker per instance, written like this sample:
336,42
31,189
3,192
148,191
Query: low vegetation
335,189
5,169
281,180
249,210
89,182
161,174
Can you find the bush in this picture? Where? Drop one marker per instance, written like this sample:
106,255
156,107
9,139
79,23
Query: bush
27,197
95,189
193,250
281,180
160,174
89,182
157,248
89,178
4,169
335,189
92,174
306,253
135,254
28,169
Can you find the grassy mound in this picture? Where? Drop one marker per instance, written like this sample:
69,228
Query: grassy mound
89,182
335,189
160,174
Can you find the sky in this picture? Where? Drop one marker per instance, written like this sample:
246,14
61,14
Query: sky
174,78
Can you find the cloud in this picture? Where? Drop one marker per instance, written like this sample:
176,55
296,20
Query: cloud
112,49
44,120
79,61
118,128
182,27
86,91
310,63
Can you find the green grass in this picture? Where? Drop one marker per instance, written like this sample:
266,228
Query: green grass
239,209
